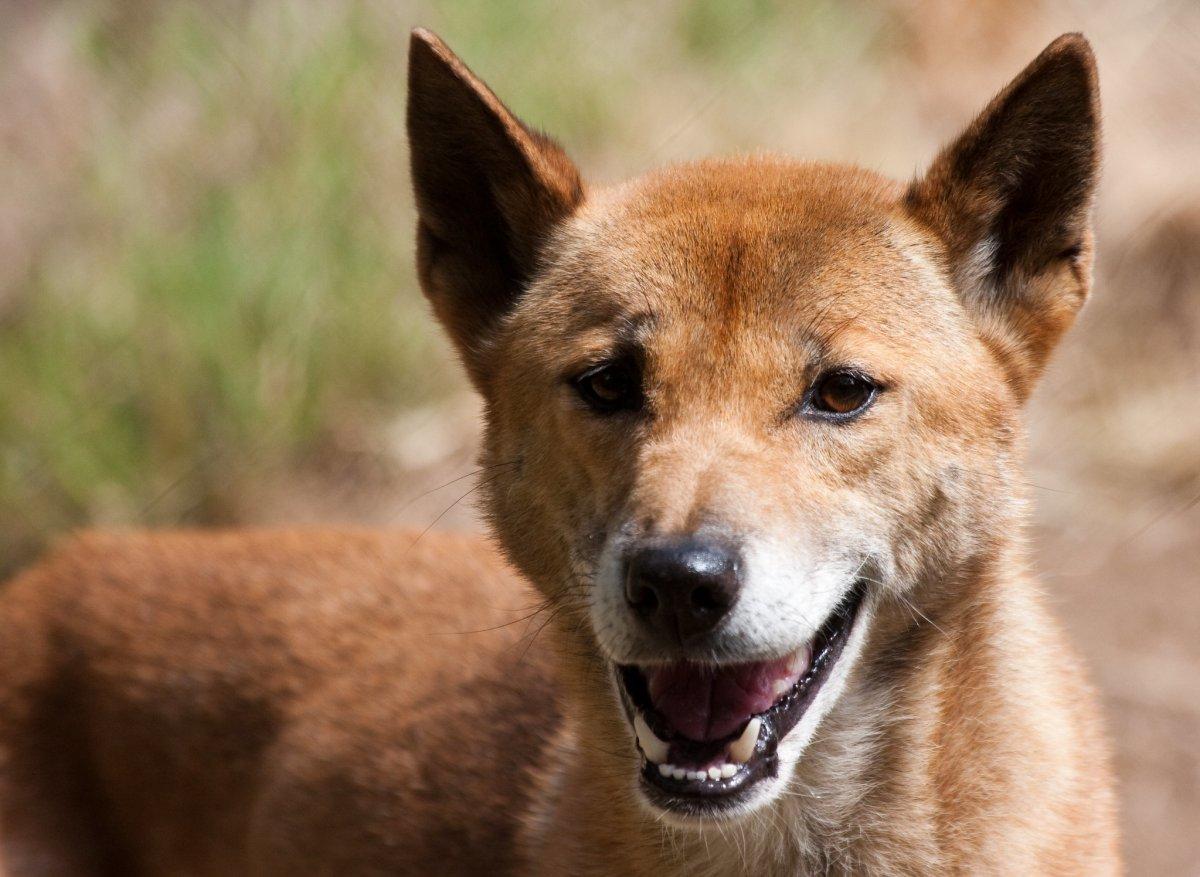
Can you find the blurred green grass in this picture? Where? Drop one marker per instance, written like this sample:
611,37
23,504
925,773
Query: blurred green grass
221,283
231,285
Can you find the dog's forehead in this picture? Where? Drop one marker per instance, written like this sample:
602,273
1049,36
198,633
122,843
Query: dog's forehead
757,252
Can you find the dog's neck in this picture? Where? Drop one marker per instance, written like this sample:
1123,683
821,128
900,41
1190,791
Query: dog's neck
869,793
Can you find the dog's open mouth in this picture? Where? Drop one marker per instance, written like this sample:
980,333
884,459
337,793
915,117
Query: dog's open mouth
708,733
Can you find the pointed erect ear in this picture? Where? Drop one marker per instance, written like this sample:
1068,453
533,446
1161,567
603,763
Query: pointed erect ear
1011,200
488,192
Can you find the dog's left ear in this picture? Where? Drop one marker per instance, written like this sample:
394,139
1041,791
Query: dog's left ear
1011,200
489,192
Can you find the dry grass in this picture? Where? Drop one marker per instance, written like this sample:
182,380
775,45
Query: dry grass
207,309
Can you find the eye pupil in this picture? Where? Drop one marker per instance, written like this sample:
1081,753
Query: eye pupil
608,385
843,392
611,387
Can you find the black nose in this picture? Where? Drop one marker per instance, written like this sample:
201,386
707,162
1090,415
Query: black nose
682,585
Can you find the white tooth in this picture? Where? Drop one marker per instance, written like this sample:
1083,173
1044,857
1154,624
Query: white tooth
665,769
697,775
653,748
780,688
728,770
800,660
742,748
714,773
679,773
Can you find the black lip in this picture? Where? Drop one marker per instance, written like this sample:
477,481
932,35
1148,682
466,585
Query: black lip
709,797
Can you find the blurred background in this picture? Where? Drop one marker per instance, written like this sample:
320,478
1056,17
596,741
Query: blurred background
208,313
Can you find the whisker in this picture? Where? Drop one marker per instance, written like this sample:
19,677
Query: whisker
395,514
533,614
447,509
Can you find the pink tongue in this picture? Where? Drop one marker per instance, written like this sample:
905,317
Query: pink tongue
708,703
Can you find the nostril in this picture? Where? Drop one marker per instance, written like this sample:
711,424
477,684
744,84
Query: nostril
642,599
706,599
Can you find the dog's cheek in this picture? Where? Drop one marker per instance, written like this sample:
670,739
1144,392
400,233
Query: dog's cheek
957,508
946,491
510,483
550,508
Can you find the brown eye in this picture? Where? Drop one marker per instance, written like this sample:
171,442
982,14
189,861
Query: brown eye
614,386
842,394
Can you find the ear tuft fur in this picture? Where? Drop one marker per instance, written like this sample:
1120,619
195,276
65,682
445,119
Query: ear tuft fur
1011,200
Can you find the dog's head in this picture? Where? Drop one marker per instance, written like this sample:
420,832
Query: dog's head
739,410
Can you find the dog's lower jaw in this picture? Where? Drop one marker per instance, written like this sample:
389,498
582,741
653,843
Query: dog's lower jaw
793,828
899,776
591,814
593,817
741,770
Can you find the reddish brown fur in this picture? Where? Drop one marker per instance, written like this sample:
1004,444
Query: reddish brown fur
356,702
272,702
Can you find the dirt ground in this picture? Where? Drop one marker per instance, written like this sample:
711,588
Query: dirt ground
1124,577
1140,630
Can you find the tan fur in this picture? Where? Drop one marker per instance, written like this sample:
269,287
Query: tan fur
354,702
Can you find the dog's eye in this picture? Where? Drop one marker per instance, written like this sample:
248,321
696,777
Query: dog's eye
842,394
614,386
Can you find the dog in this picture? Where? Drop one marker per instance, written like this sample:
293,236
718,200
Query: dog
757,600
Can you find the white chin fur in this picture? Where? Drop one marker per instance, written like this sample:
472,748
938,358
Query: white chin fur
791,748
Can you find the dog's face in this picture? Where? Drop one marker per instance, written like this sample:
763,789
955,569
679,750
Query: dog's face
742,402
740,410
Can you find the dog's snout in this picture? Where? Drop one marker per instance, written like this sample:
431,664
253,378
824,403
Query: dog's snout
682,586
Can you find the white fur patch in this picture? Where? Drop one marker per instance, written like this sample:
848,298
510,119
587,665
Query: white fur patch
787,596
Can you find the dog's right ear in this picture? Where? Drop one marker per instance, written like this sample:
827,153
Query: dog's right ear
488,190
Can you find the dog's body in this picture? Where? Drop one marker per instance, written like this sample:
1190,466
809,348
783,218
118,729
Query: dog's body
274,703
724,402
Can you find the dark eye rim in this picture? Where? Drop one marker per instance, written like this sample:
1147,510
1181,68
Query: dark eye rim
632,402
808,405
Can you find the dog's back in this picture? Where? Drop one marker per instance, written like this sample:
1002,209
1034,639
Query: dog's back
277,702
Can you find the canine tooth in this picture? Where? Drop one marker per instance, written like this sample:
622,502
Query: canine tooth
728,770
742,748
800,660
678,773
714,773
653,748
665,769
